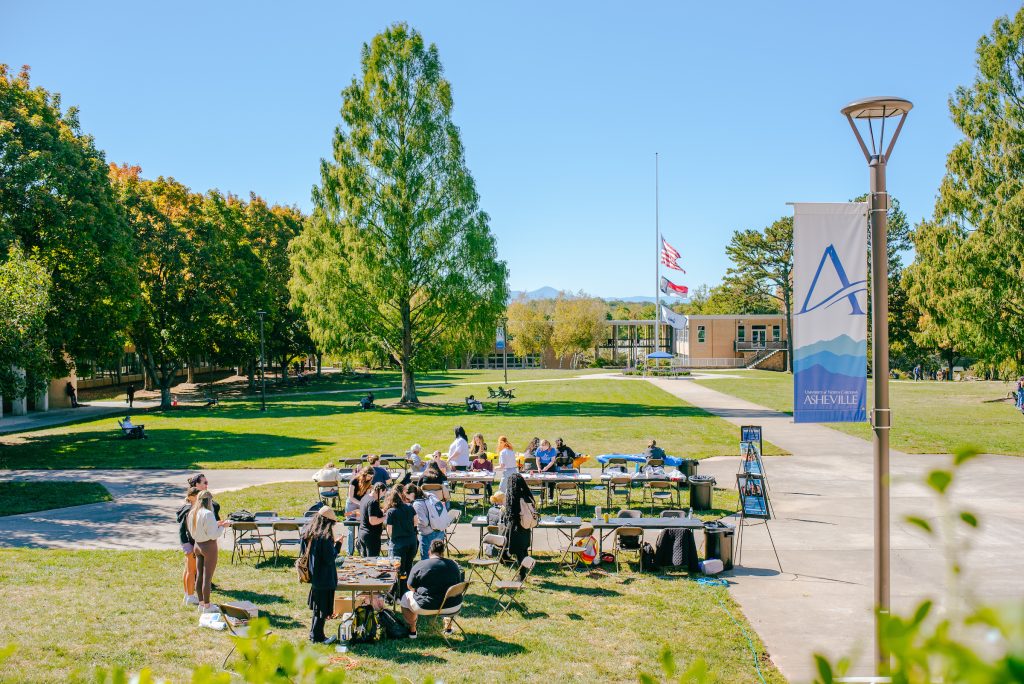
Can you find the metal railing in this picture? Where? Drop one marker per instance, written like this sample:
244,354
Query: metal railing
759,345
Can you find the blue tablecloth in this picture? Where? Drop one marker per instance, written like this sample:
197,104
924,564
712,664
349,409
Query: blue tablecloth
671,461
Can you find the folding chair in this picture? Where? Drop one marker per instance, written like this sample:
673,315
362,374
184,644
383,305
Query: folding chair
614,462
280,543
237,621
432,487
623,543
539,489
567,492
473,493
660,490
449,612
247,541
577,546
656,462
683,513
529,463
481,563
453,522
509,590
619,485
329,492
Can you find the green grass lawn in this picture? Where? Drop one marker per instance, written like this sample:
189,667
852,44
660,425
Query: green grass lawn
293,498
28,497
928,417
123,608
593,416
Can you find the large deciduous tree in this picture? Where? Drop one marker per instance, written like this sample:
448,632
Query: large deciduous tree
398,254
580,323
762,266
24,303
529,326
56,201
969,272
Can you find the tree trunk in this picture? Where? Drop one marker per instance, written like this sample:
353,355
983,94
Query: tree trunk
408,382
250,370
949,364
319,364
190,378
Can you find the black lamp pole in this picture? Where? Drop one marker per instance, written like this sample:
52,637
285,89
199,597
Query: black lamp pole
263,366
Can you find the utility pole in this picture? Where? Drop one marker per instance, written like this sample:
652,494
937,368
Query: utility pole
263,366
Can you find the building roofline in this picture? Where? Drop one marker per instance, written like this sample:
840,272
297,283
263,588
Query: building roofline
738,316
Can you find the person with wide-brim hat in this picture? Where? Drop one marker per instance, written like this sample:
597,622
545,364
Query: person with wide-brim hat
323,549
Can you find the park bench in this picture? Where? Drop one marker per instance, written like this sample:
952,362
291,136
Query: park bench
492,393
504,405
506,393
132,431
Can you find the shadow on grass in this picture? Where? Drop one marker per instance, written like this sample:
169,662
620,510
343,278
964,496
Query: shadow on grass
582,591
166,448
259,598
429,635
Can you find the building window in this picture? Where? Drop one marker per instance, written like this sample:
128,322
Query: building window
700,333
776,333
741,333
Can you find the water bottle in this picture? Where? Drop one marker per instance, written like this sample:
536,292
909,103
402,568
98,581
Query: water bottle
597,512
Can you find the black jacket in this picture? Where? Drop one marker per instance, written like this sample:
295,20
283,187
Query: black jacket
183,532
322,556
565,457
676,549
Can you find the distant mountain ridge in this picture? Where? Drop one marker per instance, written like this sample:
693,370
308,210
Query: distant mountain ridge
548,292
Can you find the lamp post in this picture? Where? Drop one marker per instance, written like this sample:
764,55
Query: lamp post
503,338
875,110
263,366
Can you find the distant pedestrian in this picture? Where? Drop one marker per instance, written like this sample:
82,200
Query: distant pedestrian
130,398
1020,393
69,390
917,372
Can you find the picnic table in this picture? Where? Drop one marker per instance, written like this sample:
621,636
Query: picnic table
644,524
639,459
374,575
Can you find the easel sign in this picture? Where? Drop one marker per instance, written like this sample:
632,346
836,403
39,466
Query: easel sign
752,433
753,496
751,456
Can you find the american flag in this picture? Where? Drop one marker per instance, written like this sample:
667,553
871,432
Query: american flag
669,255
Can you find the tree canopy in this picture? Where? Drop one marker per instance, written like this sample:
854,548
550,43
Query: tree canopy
56,201
398,254
25,303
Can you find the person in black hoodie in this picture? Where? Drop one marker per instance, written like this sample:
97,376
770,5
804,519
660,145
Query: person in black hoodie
187,545
323,550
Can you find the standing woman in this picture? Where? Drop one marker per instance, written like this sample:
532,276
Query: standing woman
358,488
371,522
187,547
323,551
506,462
204,528
401,522
519,537
458,452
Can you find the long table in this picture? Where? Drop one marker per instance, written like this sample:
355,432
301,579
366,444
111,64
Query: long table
563,523
560,523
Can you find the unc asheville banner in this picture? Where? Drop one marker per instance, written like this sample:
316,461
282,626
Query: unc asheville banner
830,312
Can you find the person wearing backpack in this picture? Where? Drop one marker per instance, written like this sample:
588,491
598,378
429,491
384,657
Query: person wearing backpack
517,499
431,517
322,549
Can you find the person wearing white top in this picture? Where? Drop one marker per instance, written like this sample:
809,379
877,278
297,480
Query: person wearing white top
458,452
204,528
327,474
506,461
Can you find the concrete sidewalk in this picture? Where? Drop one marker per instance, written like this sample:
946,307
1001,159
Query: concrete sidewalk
823,500
87,411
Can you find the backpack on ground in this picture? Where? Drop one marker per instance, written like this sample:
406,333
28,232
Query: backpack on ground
366,626
393,624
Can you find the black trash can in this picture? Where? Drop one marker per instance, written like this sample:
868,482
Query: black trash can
687,467
718,542
701,487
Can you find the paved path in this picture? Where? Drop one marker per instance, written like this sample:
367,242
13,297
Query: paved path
94,409
822,496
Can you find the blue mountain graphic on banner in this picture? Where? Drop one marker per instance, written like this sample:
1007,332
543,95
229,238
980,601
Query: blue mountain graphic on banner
842,345
836,364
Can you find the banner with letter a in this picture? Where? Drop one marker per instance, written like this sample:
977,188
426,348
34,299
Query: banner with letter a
830,321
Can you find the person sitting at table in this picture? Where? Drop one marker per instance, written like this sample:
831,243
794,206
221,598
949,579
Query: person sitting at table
416,462
532,447
401,521
429,581
479,446
506,461
371,522
380,473
654,451
437,459
546,462
434,475
458,452
327,474
483,464
565,457
323,553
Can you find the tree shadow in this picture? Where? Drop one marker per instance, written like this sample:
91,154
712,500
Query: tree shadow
582,591
166,448
256,597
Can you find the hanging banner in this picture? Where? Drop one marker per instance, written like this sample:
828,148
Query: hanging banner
499,343
830,320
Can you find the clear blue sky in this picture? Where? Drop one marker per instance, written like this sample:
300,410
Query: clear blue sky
561,105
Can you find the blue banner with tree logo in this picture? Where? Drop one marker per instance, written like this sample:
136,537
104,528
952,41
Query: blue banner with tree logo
830,312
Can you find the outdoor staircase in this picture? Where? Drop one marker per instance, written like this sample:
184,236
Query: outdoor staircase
762,356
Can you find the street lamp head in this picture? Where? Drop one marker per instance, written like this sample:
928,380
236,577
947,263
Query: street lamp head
261,313
877,107
875,110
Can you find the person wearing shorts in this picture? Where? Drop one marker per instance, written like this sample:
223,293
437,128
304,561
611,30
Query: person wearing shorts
188,548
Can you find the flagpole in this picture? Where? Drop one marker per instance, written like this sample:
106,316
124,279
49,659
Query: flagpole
657,274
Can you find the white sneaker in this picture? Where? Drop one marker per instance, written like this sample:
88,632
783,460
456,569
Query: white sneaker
211,609
191,600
